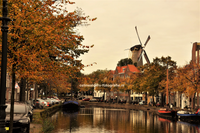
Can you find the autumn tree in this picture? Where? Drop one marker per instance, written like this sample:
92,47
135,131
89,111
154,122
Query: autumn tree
105,82
124,62
129,83
42,40
96,77
188,80
153,75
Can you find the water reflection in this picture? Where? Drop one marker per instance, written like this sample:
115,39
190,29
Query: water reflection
105,120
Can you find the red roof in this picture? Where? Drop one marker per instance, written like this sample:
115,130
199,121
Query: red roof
133,69
123,69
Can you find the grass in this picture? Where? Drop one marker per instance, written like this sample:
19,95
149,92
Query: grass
42,120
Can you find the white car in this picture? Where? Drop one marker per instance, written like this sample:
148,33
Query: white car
45,102
142,102
51,101
93,100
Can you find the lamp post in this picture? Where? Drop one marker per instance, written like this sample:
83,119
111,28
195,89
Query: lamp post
4,29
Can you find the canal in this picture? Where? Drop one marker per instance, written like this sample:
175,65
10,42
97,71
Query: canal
109,120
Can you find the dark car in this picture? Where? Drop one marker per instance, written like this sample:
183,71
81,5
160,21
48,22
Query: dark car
80,98
86,99
109,101
100,100
134,102
21,118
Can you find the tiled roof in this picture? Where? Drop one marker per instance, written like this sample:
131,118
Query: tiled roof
123,69
132,68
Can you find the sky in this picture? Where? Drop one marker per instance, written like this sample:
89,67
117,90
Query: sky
173,25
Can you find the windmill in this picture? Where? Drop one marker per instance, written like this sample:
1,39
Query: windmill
137,51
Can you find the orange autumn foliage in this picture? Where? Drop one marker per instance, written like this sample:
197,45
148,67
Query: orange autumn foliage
42,42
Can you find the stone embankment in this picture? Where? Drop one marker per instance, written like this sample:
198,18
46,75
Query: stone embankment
121,106
127,106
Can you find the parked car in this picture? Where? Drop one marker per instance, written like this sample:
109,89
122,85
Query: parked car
134,102
46,104
56,100
93,100
21,119
30,104
30,109
38,104
108,100
142,102
80,98
49,102
122,101
100,100
86,99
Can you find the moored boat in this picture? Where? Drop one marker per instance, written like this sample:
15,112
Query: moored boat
189,116
167,113
71,105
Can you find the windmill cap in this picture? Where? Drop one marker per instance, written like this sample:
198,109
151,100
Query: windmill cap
135,47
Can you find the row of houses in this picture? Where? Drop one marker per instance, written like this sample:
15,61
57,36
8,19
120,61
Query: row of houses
176,99
29,94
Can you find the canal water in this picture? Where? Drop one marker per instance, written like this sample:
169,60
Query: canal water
109,120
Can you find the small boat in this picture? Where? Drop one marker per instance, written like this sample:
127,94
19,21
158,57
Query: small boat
167,113
71,106
189,116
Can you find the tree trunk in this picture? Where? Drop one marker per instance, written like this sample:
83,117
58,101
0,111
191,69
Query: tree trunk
145,97
27,91
193,100
117,96
104,95
153,99
35,91
129,96
162,100
197,99
57,92
12,99
22,90
42,93
71,87
46,90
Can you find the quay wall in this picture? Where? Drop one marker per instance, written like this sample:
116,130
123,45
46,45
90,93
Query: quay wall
121,106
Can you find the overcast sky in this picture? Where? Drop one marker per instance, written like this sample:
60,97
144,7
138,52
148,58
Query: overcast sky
172,24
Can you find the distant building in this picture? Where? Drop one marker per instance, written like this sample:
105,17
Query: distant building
124,71
195,52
